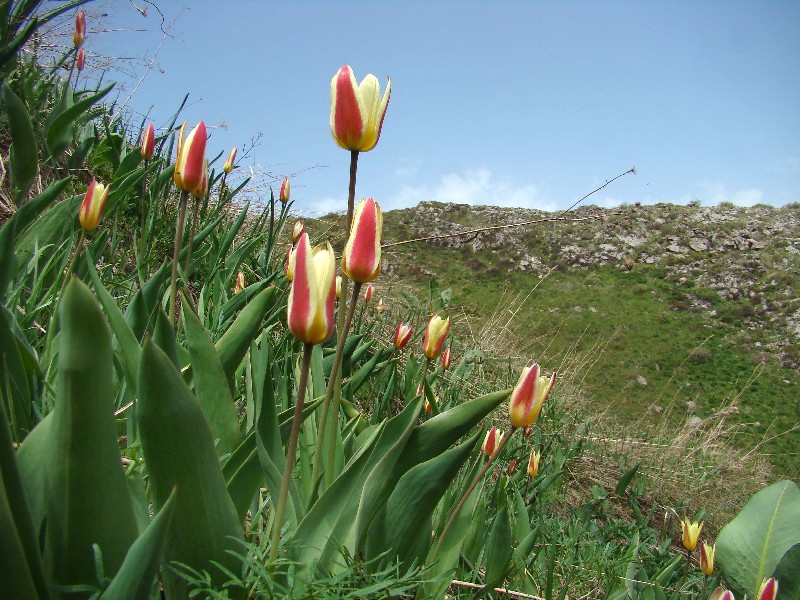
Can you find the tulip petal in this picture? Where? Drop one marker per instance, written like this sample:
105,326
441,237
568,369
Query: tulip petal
347,120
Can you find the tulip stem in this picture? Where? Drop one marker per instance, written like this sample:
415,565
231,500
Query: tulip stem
143,215
291,455
192,229
78,247
176,253
466,495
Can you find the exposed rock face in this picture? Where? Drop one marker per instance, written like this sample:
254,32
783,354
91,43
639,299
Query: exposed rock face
751,255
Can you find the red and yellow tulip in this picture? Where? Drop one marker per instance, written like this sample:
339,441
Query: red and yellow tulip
533,463
313,291
80,60
297,231
202,188
529,395
284,193
357,110
239,283
94,201
361,260
79,35
691,533
768,590
191,155
230,161
446,359
368,291
148,146
492,441
402,335
707,558
435,335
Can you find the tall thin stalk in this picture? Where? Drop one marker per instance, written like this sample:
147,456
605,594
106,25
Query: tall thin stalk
193,228
176,253
291,455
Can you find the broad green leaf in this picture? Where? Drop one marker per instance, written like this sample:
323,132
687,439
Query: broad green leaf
498,548
24,155
750,547
15,389
30,211
164,337
137,575
179,451
788,574
211,384
243,475
89,501
34,458
58,133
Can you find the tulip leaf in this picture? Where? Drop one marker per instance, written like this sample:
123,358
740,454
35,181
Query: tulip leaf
30,211
210,384
788,574
243,475
498,548
241,299
137,575
164,337
59,132
15,389
179,451
625,480
50,230
750,547
34,458
89,502
24,155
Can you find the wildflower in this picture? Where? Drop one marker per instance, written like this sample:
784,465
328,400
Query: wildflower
338,286
189,161
368,291
361,260
312,294
529,395
707,558
239,283
229,162
435,335
80,60
357,110
402,335
768,590
691,533
94,202
283,195
492,441
147,148
80,29
446,359
297,231
381,307
533,463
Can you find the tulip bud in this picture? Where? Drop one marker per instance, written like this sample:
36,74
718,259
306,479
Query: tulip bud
298,230
528,431
148,146
446,359
357,110
202,189
239,283
428,407
368,291
402,335
94,201
283,196
381,307
189,160
80,29
228,166
312,294
533,463
492,441
529,395
338,286
721,594
707,559
769,589
512,467
435,335
80,60
691,533
361,260
289,266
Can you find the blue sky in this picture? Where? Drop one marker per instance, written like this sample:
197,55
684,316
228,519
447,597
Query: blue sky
527,104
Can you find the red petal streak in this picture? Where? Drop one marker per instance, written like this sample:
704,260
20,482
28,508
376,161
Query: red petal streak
348,121
300,302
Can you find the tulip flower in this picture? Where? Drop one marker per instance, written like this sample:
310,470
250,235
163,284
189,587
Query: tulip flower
435,335
446,359
533,463
529,395
528,431
239,283
228,166
721,594
80,60
381,307
361,260
492,441
311,297
202,188
769,589
289,266
189,161
94,201
428,407
148,146
357,110
512,467
368,291
691,533
402,335
298,230
338,286
707,558
80,29
283,195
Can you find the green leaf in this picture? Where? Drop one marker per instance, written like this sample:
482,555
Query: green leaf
625,480
34,459
211,384
15,388
788,574
30,211
750,547
179,452
24,157
498,549
58,135
243,475
51,230
8,258
137,575
89,501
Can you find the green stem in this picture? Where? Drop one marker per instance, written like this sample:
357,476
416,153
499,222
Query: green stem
176,253
291,455
73,260
192,229
143,221
466,495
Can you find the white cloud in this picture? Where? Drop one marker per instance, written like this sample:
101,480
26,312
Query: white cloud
475,186
714,193
407,168
319,207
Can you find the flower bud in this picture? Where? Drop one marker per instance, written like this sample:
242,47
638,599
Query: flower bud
229,162
529,395
189,160
769,589
289,266
80,60
381,307
202,188
533,463
338,286
691,533
368,291
313,291
721,594
357,110
512,467
492,441
446,359
361,260
148,146
283,196
402,335
239,283
297,231
435,335
80,29
94,202
428,407
707,559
